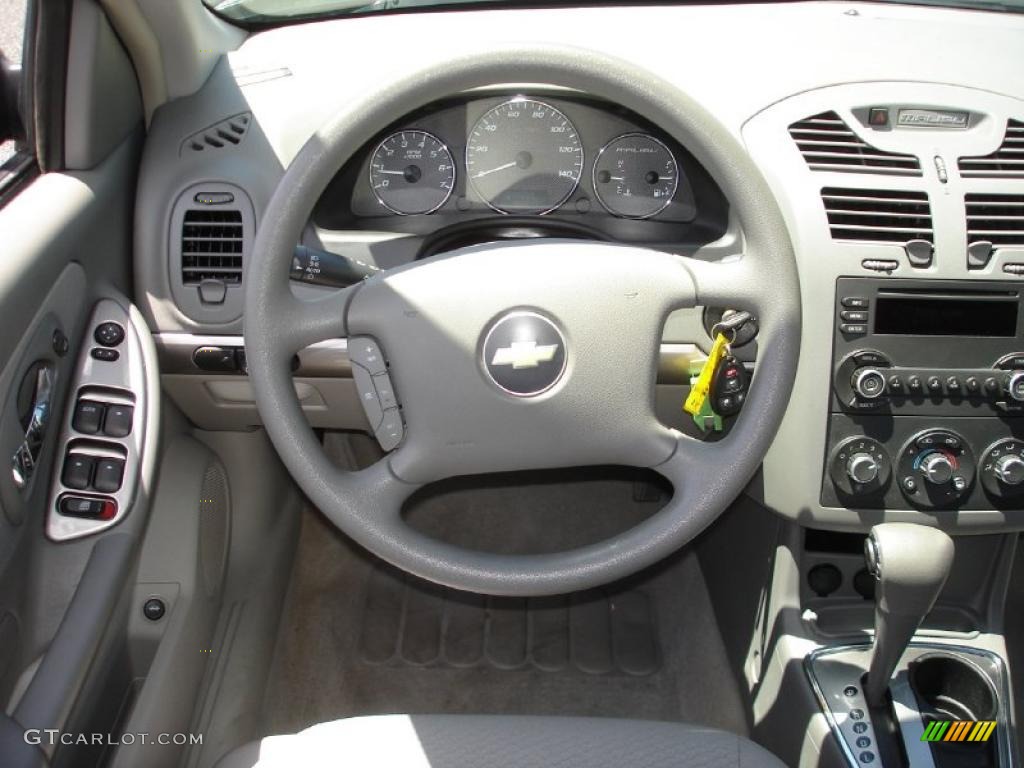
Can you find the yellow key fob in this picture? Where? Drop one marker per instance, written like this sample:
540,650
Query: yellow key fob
702,384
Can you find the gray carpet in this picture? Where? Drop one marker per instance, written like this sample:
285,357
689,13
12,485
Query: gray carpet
359,637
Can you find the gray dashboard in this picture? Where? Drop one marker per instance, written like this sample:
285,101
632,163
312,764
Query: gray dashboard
761,69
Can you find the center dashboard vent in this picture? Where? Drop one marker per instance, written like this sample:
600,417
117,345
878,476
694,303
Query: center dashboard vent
212,246
828,144
878,216
997,219
1007,162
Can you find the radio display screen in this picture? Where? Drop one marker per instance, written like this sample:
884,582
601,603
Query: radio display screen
920,316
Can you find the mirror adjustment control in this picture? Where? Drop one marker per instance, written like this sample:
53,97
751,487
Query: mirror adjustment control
108,334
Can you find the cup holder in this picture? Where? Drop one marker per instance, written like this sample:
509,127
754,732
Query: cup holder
949,688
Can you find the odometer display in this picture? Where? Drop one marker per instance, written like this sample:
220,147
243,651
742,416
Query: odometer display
412,172
524,157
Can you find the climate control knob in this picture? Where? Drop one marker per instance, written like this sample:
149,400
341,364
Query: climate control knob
1002,468
868,383
859,466
1010,469
862,468
937,468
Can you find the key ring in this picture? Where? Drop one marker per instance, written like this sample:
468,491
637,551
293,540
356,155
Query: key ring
731,325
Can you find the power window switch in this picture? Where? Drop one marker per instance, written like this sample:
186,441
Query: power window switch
118,422
88,417
109,473
78,470
93,509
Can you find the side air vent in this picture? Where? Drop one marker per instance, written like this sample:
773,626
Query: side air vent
878,216
212,227
212,244
226,133
1007,162
828,144
996,219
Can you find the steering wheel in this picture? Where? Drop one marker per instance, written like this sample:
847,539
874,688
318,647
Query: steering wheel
593,314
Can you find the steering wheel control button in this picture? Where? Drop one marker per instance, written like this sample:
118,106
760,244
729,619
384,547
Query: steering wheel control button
109,473
88,417
365,352
385,392
368,396
118,422
108,334
78,469
391,430
524,354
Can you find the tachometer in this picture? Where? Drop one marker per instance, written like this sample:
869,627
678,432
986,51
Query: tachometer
412,172
635,176
524,156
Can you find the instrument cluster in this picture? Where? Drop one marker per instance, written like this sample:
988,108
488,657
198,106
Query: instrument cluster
553,154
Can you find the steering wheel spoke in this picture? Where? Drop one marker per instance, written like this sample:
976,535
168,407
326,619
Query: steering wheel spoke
301,323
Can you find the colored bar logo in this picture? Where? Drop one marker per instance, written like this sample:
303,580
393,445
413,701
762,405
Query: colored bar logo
959,730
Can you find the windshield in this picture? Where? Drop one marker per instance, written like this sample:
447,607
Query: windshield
276,11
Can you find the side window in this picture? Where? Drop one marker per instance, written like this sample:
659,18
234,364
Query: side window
15,160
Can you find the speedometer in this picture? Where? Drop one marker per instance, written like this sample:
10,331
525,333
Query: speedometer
524,156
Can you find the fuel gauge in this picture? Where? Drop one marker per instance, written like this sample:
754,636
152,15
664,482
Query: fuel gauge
635,176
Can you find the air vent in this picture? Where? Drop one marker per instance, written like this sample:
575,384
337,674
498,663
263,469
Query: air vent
227,133
828,144
1007,162
997,219
878,216
211,246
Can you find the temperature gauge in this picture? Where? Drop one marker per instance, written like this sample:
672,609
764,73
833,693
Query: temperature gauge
635,176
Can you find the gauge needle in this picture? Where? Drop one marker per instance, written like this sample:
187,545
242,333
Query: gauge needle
396,173
495,170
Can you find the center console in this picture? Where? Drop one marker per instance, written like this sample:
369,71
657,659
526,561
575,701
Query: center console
927,398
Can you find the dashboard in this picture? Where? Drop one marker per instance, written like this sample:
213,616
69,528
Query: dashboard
545,161
904,208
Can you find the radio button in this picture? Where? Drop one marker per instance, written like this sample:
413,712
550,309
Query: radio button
973,385
953,384
914,383
934,384
868,383
854,316
991,385
855,302
896,383
1009,362
1015,386
870,357
853,329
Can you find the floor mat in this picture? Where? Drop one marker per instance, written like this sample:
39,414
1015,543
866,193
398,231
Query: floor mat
408,621
359,637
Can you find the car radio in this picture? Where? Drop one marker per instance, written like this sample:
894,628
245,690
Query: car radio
927,402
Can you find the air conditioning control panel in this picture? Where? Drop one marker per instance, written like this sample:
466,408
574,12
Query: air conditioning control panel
927,396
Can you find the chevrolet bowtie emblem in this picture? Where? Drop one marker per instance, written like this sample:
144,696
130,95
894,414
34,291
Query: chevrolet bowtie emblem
524,354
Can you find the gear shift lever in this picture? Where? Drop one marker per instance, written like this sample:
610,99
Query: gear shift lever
911,563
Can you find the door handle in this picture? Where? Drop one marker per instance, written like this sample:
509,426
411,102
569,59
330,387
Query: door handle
23,463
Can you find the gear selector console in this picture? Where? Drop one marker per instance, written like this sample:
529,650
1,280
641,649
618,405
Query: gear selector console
927,395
